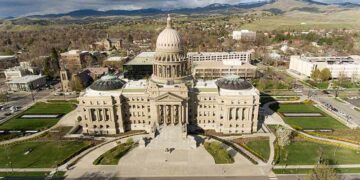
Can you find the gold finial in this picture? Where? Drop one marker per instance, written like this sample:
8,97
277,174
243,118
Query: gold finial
168,21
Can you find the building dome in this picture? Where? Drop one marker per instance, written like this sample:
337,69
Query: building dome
233,83
107,83
169,39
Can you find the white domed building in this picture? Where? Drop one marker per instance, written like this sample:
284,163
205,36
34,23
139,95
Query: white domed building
171,97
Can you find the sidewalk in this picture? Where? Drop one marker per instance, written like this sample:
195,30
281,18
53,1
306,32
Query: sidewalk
27,169
312,166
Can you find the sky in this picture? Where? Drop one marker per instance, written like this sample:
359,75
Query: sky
30,7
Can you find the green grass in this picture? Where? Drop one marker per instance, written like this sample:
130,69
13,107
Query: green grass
301,152
261,147
38,124
320,85
357,109
43,154
220,155
307,171
325,122
113,156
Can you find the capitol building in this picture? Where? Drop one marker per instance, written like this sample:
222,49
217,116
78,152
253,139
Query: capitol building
170,97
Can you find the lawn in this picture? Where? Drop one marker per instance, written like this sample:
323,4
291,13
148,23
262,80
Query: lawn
258,146
41,153
220,155
113,156
302,152
59,107
325,122
320,85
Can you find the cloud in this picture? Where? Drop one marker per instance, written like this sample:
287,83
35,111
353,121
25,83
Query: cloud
30,7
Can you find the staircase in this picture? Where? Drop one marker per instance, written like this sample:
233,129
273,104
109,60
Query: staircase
172,137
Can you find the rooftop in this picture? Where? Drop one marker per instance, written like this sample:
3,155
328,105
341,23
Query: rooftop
6,57
25,79
73,52
221,64
144,58
116,58
354,59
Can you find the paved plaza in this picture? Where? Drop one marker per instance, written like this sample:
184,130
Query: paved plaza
169,155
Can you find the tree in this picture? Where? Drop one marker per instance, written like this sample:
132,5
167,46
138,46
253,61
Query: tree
325,74
283,136
322,171
315,74
3,97
342,78
76,84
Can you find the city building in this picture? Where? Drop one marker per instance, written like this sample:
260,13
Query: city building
217,69
244,35
349,66
74,60
84,78
116,62
141,65
27,83
244,56
169,98
107,44
19,71
8,62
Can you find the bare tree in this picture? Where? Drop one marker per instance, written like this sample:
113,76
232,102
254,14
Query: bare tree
323,171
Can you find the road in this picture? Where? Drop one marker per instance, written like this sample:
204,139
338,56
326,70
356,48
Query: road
344,107
23,99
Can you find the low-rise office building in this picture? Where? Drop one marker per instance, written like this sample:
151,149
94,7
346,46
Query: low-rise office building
27,83
20,71
74,60
243,56
244,35
348,66
8,62
218,69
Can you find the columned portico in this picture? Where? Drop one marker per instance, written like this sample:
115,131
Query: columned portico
171,114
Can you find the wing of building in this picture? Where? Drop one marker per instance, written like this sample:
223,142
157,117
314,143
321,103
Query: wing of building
171,97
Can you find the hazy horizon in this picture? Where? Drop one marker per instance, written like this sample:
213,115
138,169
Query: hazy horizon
38,7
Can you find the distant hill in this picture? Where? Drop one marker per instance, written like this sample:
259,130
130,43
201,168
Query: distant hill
151,11
275,6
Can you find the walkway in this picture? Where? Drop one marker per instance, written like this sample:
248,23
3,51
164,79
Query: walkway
312,166
27,169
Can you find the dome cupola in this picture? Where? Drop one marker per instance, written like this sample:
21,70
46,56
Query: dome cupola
233,82
107,83
169,39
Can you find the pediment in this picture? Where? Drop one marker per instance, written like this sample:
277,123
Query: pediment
168,97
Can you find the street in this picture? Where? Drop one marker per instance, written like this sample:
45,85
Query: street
21,100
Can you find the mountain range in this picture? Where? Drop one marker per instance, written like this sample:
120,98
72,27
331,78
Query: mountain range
212,8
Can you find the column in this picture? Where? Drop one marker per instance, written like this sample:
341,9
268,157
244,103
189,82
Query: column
234,113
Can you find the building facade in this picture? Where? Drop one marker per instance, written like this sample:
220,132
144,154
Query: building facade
348,66
8,62
27,83
20,71
244,35
243,56
74,60
218,69
171,97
